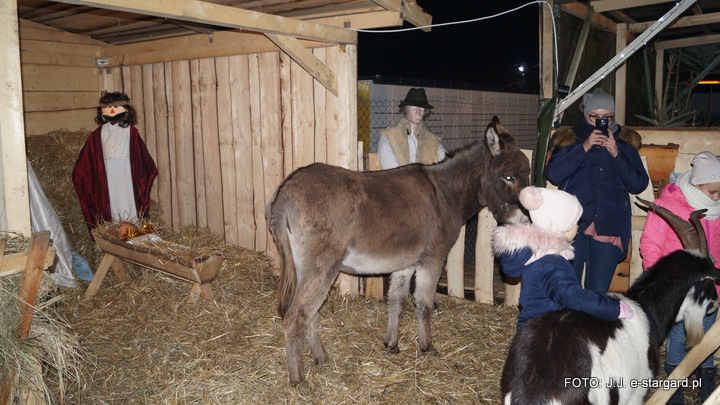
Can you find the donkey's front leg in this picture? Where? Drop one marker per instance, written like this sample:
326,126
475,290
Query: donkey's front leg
397,299
426,279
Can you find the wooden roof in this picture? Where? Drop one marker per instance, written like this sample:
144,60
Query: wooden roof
120,22
696,31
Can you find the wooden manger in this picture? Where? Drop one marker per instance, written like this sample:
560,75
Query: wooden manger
199,271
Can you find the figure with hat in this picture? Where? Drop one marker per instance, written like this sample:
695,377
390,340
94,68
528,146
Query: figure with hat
598,162
693,190
410,141
539,253
114,172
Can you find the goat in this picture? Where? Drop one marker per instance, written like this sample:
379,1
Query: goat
569,357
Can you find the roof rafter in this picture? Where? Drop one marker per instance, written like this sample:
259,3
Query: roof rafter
409,11
690,21
609,5
225,16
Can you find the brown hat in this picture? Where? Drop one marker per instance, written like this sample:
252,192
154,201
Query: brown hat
417,98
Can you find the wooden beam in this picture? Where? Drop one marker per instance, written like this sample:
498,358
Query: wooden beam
621,41
608,5
225,16
307,60
198,46
14,194
409,11
373,19
680,43
580,10
690,21
39,244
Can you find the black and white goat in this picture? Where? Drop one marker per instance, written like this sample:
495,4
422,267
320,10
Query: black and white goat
569,357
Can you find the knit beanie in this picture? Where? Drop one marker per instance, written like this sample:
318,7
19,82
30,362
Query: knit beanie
552,210
598,100
705,169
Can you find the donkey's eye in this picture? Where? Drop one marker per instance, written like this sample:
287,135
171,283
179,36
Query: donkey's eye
508,179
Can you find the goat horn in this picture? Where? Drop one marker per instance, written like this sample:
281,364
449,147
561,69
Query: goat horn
695,218
685,230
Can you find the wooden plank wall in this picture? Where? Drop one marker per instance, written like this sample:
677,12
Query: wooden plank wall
61,85
225,131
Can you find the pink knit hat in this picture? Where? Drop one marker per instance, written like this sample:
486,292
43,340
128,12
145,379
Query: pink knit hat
705,169
553,210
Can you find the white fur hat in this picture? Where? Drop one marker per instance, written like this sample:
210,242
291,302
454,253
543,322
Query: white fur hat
705,169
553,210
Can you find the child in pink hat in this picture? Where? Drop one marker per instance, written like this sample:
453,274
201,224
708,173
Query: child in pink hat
539,253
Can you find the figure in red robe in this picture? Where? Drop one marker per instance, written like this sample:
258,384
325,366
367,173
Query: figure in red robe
114,172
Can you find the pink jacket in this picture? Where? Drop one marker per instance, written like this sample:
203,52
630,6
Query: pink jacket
659,239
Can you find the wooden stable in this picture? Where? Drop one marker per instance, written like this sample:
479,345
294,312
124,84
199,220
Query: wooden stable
229,100
199,271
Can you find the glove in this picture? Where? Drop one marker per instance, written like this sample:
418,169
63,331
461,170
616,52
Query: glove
625,311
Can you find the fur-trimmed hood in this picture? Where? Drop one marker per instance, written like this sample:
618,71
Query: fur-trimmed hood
565,136
509,239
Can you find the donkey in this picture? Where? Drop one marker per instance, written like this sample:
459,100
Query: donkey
403,221
569,357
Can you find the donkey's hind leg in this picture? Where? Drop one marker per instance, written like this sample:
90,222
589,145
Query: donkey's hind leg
293,335
397,300
310,295
317,350
318,294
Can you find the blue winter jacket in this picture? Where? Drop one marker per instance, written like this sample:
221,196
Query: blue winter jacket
601,183
549,284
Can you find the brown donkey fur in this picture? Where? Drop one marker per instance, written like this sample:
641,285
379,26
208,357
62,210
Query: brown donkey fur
327,219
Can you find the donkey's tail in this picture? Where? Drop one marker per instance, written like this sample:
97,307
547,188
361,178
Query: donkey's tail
288,279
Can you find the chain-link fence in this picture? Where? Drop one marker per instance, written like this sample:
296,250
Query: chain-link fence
458,118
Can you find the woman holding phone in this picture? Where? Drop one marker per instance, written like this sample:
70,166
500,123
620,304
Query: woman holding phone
593,162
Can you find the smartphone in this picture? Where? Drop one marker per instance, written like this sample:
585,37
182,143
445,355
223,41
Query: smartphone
601,124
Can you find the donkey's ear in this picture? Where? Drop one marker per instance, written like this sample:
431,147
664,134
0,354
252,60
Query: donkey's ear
492,140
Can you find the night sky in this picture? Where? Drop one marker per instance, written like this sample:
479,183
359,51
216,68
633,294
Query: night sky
485,52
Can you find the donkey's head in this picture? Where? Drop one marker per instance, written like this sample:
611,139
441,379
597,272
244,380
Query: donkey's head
508,173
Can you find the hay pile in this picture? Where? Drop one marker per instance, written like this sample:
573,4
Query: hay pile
50,344
144,345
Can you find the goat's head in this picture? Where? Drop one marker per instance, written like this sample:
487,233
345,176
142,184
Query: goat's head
701,298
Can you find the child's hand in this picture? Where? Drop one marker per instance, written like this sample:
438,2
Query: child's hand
625,311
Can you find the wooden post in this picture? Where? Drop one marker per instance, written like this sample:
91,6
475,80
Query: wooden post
456,267
484,258
708,346
374,285
39,245
15,203
621,75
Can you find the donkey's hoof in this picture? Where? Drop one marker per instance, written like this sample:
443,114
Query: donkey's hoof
393,349
320,360
431,351
299,382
